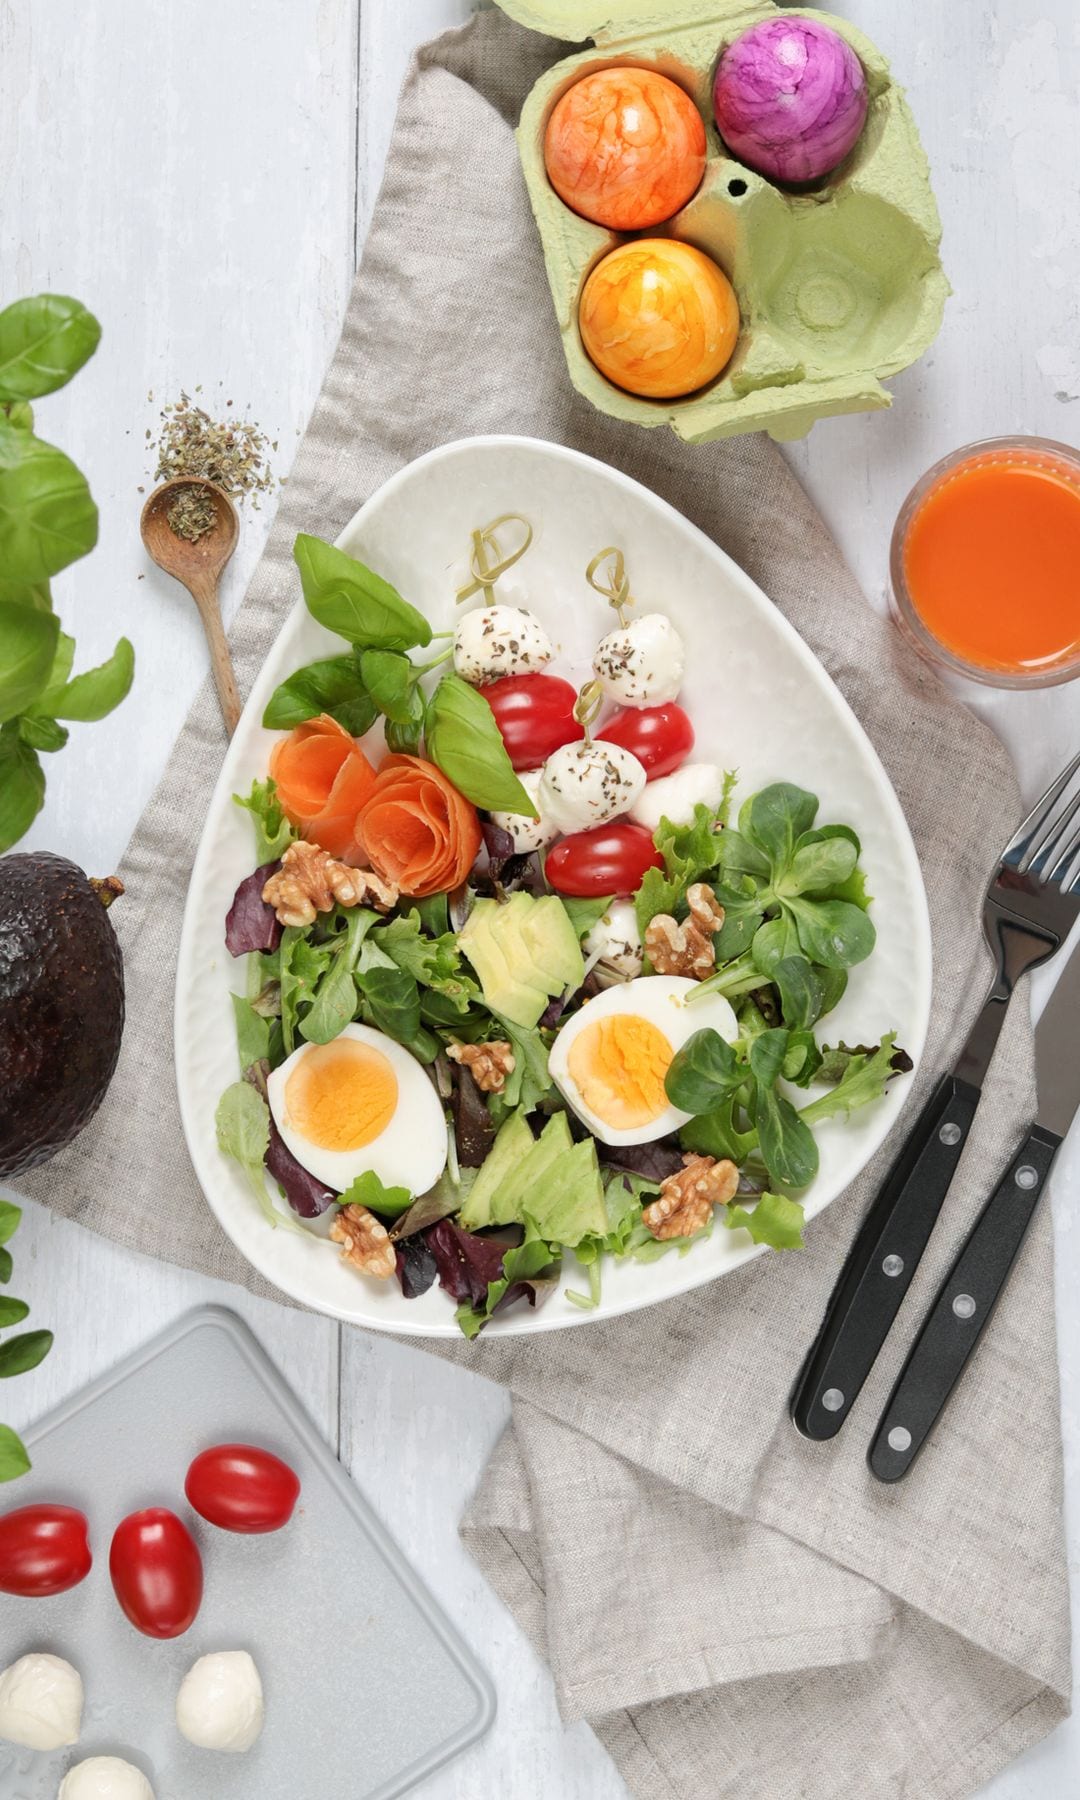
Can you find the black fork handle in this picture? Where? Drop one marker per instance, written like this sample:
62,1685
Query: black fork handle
883,1260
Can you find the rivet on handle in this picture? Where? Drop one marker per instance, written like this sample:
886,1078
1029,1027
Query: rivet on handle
1026,1177
899,1438
964,1306
832,1400
950,1133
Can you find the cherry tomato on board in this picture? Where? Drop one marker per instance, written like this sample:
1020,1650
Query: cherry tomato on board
242,1488
535,715
608,859
661,737
156,1572
43,1550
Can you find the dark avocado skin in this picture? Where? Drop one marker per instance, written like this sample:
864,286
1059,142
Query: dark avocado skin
61,1006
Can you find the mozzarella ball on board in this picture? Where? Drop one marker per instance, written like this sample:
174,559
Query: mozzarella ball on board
587,784
220,1703
105,1778
41,1702
528,834
675,796
616,939
499,640
642,663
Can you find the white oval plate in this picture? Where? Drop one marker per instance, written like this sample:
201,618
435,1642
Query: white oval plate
759,701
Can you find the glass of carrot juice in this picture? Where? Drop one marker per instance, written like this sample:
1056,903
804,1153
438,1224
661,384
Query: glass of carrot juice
985,562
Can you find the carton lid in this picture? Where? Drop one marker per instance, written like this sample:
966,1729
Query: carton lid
617,21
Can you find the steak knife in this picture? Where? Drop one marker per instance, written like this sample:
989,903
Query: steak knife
967,1297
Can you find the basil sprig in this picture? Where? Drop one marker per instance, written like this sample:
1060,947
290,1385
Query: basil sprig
463,739
17,1354
352,600
47,520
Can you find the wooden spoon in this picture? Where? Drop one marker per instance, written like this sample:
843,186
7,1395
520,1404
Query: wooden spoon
198,566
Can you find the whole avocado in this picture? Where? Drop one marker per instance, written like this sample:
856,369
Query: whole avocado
61,1004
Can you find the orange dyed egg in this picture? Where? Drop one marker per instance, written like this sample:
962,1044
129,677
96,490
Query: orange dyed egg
625,148
659,318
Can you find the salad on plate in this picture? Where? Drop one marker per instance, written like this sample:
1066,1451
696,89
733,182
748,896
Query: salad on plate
525,988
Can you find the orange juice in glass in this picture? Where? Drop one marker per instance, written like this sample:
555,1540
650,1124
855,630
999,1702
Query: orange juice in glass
986,562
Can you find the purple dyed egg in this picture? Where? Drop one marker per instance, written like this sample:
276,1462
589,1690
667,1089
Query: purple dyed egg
790,98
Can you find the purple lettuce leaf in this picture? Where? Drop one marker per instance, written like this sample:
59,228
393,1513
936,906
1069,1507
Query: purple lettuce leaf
653,1162
416,1266
251,924
467,1264
307,1197
474,1127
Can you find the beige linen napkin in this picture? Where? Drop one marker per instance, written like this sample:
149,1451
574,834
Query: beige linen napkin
737,1611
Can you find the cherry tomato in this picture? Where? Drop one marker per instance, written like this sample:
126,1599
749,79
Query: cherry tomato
535,714
43,1550
661,737
242,1488
156,1572
609,859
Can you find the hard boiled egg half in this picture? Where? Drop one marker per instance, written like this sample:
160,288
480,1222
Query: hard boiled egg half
360,1102
609,1061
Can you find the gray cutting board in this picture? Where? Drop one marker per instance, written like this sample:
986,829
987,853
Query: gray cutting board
368,1687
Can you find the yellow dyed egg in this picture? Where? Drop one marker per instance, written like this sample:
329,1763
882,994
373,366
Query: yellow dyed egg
659,318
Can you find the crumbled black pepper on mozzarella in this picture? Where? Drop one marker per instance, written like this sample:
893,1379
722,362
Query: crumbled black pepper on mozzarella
499,640
589,783
642,663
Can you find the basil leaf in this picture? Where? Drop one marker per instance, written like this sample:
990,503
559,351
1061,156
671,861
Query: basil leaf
96,692
47,517
13,1458
391,681
42,734
404,739
464,740
27,647
63,657
22,787
832,932
252,1032
12,1311
21,1354
333,686
367,1190
703,1072
6,1265
44,341
775,1220
355,602
34,594
9,1220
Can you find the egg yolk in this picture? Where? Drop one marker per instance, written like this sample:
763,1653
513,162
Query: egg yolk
618,1065
341,1096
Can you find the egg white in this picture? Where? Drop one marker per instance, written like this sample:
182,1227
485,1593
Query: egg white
662,1000
409,1152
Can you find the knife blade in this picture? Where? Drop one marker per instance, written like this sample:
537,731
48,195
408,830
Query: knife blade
966,1299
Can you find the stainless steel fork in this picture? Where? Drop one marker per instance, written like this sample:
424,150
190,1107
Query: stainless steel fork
1028,912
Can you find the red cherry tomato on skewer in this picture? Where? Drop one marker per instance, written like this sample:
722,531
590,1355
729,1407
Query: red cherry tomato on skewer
608,859
239,1487
661,737
43,1550
535,714
156,1572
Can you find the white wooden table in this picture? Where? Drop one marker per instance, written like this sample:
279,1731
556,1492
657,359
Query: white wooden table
202,176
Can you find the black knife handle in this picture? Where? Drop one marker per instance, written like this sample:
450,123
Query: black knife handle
882,1261
962,1309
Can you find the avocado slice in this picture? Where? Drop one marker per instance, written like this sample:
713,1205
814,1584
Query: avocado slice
512,1146
524,951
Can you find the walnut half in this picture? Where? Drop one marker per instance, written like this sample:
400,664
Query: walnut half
311,881
687,1199
488,1064
365,1243
686,949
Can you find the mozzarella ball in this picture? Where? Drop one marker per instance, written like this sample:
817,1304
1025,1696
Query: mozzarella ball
675,796
642,663
528,834
41,1702
615,938
587,784
220,1703
105,1778
499,640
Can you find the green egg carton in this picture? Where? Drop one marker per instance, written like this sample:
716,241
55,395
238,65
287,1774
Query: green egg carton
838,287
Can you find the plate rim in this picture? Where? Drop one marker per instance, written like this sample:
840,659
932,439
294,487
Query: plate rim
534,1323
